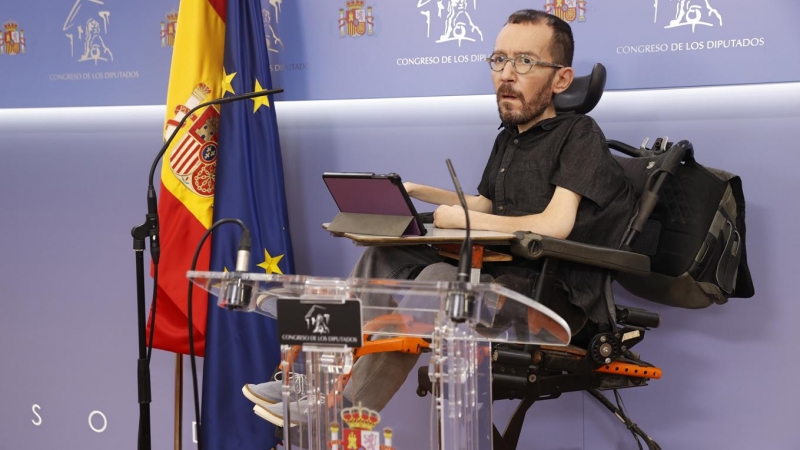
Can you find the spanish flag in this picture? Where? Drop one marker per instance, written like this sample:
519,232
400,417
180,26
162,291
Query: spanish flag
225,163
188,172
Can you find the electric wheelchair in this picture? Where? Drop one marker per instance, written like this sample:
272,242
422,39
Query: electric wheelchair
531,373
607,362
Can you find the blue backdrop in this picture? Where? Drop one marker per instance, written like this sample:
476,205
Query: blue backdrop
76,176
111,52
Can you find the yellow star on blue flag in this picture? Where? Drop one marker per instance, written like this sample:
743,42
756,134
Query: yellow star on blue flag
227,81
270,264
263,100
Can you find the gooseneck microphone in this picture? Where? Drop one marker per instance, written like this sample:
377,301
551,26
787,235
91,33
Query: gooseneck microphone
460,302
151,218
150,229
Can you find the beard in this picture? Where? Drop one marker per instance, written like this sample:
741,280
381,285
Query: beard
532,108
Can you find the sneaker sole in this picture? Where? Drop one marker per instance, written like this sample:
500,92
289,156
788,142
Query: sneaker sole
255,398
270,417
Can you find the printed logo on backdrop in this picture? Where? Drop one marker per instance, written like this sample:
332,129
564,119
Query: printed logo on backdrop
274,43
355,21
86,28
689,13
567,10
168,29
271,17
13,42
701,18
88,39
454,20
448,22
359,433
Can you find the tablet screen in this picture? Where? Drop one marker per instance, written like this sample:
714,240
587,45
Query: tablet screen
367,193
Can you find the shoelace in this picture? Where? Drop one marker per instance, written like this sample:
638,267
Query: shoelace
297,383
298,395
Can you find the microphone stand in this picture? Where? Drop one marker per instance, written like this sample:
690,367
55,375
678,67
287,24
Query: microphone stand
140,233
460,303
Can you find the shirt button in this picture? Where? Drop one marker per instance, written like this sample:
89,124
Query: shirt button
503,170
501,208
516,141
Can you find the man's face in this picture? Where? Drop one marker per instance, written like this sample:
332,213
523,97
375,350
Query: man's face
524,99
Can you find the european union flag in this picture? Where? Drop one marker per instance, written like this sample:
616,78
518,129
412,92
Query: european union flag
242,348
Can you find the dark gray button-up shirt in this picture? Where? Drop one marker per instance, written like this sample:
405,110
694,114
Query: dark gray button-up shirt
568,151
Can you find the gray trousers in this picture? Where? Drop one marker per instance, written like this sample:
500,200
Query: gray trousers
377,377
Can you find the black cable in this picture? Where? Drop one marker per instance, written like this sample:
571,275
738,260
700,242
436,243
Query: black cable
637,432
153,312
191,324
624,416
620,414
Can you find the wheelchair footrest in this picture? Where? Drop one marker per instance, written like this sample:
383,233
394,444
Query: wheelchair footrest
630,370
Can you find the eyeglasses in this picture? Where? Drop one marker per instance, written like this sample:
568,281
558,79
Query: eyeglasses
522,64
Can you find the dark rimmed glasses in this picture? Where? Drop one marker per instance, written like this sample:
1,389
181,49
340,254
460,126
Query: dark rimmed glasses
522,64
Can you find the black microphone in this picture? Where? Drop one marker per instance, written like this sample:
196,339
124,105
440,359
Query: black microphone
151,219
460,302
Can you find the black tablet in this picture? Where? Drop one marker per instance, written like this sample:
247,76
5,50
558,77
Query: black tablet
368,193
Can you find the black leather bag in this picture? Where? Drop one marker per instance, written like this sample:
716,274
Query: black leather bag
695,239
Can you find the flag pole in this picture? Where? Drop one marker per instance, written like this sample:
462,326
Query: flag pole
178,418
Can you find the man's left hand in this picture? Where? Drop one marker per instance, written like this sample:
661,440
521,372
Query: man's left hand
447,216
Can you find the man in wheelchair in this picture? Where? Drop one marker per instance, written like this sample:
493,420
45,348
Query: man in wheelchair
551,174
551,179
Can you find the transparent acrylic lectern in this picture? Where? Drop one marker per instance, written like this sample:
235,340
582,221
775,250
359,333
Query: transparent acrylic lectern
319,320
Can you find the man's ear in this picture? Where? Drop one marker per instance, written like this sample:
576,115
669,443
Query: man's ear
563,79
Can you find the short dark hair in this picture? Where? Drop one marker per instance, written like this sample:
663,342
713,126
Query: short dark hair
563,44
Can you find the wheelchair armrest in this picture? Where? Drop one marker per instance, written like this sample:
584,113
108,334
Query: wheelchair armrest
534,246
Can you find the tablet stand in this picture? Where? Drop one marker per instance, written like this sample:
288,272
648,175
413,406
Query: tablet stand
372,224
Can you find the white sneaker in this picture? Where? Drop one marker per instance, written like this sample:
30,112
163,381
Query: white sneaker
274,413
266,301
269,393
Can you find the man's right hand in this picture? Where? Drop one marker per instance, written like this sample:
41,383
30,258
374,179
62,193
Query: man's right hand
437,196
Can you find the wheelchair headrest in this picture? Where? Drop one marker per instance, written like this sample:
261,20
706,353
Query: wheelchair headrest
584,93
